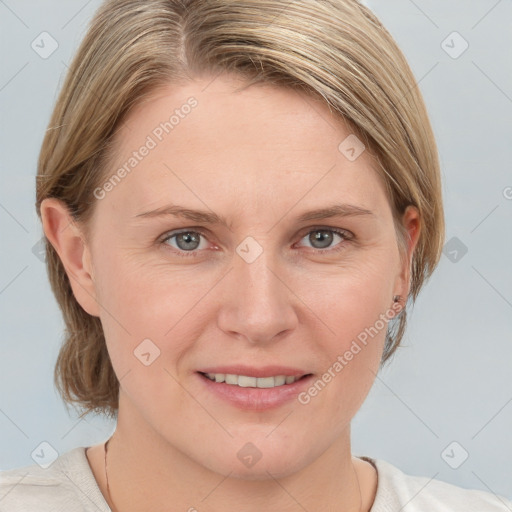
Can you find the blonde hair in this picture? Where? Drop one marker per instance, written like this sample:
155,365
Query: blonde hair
336,50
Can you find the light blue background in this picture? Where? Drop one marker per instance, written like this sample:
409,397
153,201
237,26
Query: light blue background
450,381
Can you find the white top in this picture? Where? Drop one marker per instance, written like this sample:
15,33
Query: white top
68,485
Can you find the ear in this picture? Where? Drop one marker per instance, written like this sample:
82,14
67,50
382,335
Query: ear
411,226
68,240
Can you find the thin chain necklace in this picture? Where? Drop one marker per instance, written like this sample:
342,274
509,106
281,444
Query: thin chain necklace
114,509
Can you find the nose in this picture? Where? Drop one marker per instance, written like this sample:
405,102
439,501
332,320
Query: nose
258,304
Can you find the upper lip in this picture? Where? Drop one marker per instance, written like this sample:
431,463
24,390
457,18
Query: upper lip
250,371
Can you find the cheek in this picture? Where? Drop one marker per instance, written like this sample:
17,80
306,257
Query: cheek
353,297
355,307
133,288
141,301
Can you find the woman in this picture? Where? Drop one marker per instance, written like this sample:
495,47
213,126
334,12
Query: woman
241,199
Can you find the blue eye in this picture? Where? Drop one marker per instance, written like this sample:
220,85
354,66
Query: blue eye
188,242
325,237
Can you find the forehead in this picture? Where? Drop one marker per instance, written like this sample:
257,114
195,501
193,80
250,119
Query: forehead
258,148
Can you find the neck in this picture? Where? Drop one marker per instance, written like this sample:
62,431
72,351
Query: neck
145,472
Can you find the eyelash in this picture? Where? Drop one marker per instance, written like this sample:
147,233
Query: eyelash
345,235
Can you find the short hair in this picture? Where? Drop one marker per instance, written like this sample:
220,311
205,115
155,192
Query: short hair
335,50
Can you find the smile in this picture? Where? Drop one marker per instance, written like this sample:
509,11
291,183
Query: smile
245,381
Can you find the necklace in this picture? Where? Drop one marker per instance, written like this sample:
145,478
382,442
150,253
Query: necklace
114,509
106,477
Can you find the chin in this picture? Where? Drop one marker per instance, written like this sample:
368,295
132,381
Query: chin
258,460
276,467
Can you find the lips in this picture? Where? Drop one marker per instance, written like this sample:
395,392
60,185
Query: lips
251,392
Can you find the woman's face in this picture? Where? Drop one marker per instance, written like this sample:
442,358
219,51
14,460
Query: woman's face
265,294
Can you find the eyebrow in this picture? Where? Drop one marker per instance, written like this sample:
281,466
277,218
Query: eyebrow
210,217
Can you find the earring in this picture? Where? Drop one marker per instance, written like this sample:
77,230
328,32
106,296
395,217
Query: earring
397,298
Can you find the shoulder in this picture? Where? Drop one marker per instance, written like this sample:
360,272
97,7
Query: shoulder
67,484
396,489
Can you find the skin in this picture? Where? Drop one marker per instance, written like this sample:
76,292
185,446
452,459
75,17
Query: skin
260,156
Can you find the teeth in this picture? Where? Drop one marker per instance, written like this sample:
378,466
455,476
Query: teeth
252,382
231,379
281,379
247,382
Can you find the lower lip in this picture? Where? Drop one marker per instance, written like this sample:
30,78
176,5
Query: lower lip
256,399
